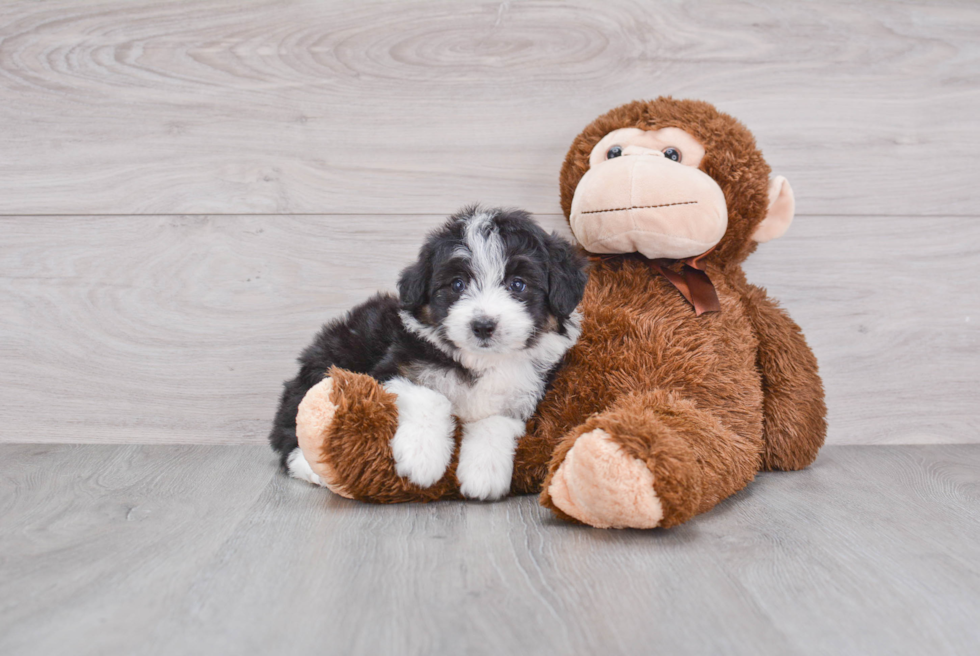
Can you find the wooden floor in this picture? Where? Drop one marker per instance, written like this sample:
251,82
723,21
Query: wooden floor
187,190
204,549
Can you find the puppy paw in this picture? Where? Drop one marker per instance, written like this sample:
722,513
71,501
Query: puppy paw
601,485
299,468
486,457
423,443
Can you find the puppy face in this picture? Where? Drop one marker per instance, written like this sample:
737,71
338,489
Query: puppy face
492,281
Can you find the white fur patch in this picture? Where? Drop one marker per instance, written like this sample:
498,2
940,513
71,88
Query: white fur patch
486,298
509,384
514,325
485,249
428,333
486,457
298,468
423,444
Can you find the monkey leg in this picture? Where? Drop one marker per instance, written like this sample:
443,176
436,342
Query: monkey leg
652,459
345,426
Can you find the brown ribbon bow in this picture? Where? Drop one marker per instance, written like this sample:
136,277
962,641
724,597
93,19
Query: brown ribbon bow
690,280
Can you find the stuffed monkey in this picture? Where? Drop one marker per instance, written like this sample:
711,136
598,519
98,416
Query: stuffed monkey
686,381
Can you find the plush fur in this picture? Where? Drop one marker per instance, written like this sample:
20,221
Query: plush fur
482,320
701,402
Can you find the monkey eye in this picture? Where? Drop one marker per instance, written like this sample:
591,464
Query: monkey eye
518,285
615,151
458,285
672,153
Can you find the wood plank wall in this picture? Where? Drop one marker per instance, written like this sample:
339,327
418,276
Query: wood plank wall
187,190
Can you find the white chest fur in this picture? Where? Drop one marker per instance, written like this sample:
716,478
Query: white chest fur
505,384
511,388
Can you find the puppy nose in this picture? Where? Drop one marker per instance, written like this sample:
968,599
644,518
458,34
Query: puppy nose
483,327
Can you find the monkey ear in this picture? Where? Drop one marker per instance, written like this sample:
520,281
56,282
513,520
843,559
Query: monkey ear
782,207
566,276
413,283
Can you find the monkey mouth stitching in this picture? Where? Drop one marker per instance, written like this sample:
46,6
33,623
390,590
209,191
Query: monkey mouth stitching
641,207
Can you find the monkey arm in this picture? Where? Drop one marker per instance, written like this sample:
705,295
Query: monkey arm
345,427
794,413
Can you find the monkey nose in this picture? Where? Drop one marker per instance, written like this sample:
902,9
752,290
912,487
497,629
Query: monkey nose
483,327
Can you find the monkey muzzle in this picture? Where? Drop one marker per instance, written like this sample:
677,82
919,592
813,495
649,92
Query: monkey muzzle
648,204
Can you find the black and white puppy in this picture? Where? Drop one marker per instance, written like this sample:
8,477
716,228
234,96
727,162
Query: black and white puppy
483,320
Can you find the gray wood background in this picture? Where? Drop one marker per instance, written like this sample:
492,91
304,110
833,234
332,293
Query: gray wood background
188,190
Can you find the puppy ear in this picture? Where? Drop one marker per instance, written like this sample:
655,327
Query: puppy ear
566,276
413,283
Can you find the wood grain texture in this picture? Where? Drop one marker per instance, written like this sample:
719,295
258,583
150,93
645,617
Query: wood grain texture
181,329
890,306
172,550
388,107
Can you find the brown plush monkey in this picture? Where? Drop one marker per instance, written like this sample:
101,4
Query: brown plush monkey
687,380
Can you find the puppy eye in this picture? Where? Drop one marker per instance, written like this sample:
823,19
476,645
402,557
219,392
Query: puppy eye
517,285
458,285
672,153
615,151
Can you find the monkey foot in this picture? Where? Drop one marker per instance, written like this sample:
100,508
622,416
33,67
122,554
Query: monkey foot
313,423
344,426
599,484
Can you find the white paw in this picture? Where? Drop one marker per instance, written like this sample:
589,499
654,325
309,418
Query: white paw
486,457
423,444
299,468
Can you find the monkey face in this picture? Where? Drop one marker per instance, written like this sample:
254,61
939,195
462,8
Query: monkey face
644,193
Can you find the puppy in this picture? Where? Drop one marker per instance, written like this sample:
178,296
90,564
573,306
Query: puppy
483,320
